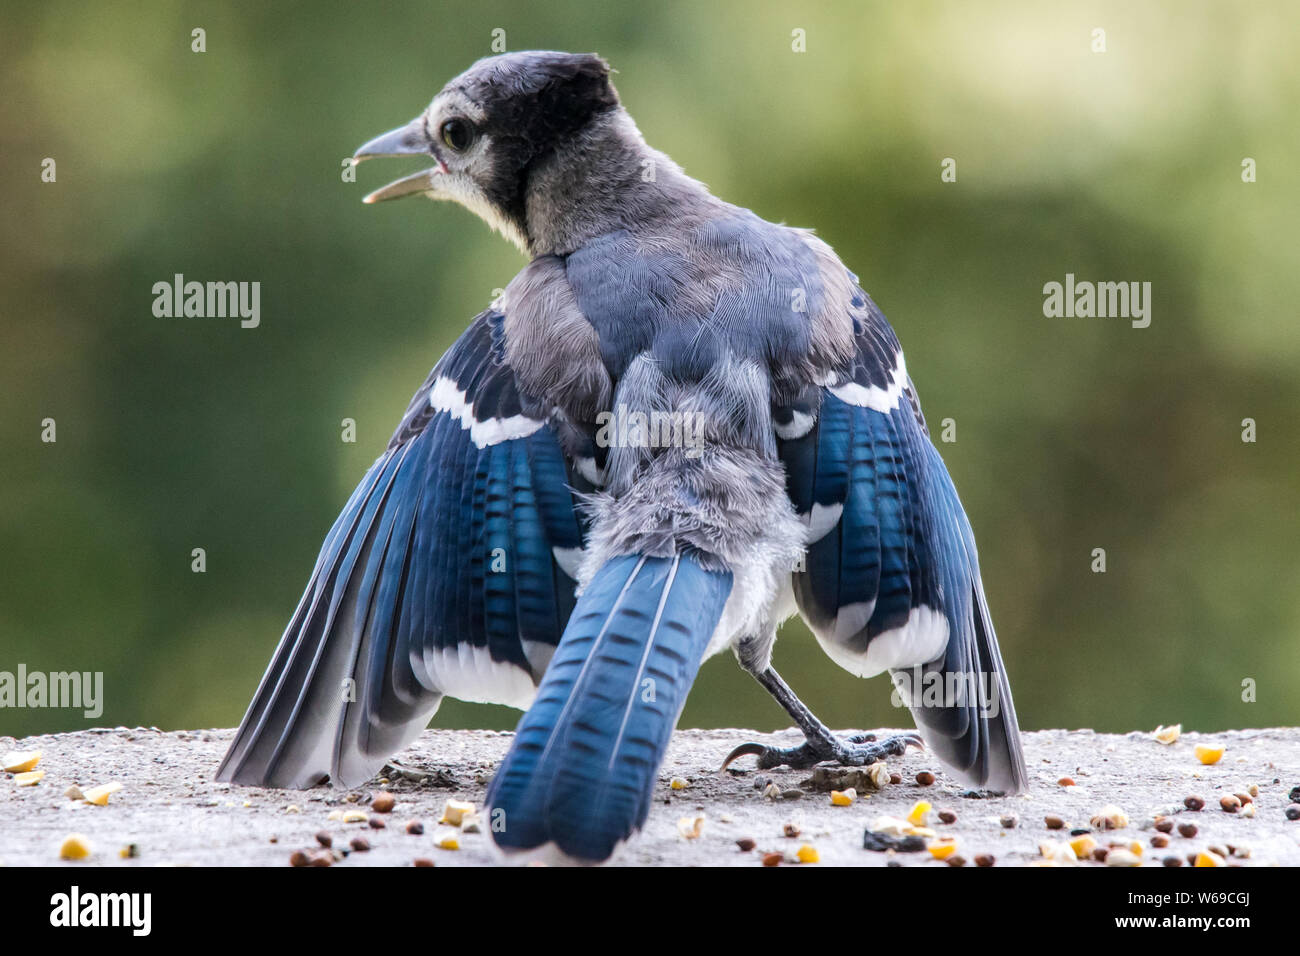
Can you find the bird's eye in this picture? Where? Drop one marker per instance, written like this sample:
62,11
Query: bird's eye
457,134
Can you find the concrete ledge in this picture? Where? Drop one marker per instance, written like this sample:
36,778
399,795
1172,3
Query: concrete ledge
173,812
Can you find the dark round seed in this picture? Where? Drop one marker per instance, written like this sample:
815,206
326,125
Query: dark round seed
1194,803
746,844
772,859
1054,822
322,858
1066,781
1159,840
895,778
1165,825
422,861
359,843
383,803
1080,831
1187,829
956,860
1294,795
1100,853
1230,804
324,839
925,778
1009,821
1173,861
985,859
414,827
377,823
1293,812
947,816
299,858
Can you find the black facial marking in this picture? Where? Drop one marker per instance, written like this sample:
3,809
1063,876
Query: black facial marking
532,102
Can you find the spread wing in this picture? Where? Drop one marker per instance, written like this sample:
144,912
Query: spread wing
891,580
450,571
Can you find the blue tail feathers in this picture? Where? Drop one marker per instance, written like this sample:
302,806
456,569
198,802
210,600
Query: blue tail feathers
583,764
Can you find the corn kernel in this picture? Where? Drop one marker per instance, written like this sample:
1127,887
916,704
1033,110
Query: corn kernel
1110,817
455,811
75,847
690,827
355,816
99,795
878,774
919,812
29,778
843,798
808,854
1206,858
1168,735
678,783
449,842
1122,857
1061,854
1207,754
1135,848
942,848
20,761
1083,846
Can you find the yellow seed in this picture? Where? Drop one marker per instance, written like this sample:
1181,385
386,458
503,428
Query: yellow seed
1122,857
843,798
75,847
919,811
808,854
99,795
690,827
878,774
1110,817
1168,735
1083,846
335,815
355,816
1135,848
1207,754
449,842
29,779
678,783
918,831
943,848
1206,858
1058,853
455,812
20,761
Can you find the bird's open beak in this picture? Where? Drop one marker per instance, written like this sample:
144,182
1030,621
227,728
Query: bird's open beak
409,140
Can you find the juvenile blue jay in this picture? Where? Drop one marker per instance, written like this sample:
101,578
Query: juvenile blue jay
505,548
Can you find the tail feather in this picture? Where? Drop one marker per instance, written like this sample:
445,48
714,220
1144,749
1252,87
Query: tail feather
582,768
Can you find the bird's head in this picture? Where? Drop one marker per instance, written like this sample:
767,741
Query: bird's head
490,129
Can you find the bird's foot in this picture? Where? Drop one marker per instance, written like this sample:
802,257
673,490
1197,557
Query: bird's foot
856,751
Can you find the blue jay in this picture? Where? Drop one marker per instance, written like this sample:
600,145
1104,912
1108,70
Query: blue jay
511,547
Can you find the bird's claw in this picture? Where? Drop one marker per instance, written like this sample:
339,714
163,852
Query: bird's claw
857,751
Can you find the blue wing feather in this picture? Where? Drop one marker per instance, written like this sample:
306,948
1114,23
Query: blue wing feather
407,572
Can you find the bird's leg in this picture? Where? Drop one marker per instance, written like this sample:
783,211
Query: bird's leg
821,744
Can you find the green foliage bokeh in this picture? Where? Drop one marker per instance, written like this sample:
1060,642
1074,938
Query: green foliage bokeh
1072,434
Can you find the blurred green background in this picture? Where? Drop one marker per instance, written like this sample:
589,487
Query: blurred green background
1072,434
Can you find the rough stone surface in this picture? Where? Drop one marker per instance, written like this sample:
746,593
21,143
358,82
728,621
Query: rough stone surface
170,808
